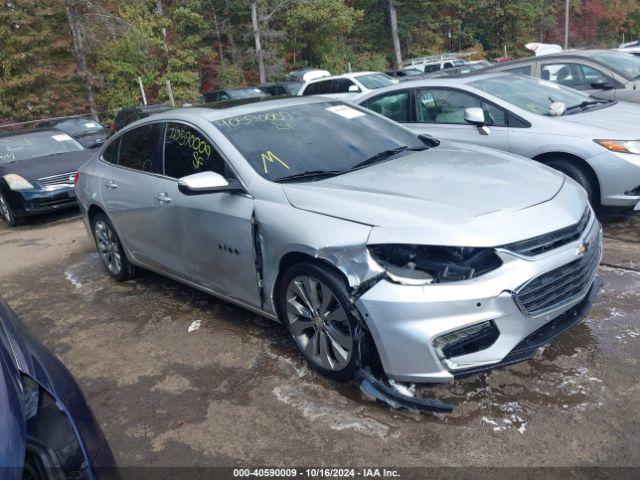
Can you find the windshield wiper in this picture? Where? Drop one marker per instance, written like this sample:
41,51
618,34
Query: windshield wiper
310,174
386,155
585,104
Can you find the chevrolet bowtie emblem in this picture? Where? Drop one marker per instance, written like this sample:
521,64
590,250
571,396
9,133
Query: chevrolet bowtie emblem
582,249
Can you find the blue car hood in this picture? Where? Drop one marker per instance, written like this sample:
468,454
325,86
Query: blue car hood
34,360
13,433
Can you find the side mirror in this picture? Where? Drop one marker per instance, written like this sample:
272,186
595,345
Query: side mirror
474,116
206,182
353,89
602,84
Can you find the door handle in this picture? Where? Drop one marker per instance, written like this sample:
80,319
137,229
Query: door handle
110,184
162,197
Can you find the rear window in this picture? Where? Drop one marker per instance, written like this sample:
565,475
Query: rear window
36,144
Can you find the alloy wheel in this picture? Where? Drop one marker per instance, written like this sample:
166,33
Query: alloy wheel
108,247
4,209
318,323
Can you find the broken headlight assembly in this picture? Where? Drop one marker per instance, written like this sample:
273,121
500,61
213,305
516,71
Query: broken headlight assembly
426,264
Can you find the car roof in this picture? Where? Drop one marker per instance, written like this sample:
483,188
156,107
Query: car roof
565,54
13,133
219,110
344,75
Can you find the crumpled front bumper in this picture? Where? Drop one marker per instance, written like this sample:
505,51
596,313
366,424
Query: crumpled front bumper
40,200
405,320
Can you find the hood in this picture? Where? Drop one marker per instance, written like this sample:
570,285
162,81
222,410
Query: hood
444,185
621,119
34,360
39,167
13,434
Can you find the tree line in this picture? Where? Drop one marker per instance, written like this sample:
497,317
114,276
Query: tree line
61,57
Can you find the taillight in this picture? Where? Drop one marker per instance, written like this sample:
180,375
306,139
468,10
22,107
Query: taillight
76,177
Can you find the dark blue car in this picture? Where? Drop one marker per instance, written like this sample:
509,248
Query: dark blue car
47,431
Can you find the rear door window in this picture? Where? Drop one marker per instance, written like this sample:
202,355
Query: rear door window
392,105
110,153
343,84
187,151
140,148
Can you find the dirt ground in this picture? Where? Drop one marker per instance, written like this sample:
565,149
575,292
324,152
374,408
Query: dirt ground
234,392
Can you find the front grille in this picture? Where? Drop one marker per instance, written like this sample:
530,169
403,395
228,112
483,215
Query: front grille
57,180
550,241
559,286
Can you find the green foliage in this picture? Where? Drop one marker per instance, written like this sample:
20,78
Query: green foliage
201,45
38,75
321,27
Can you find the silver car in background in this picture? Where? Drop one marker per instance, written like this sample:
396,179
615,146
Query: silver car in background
352,231
595,142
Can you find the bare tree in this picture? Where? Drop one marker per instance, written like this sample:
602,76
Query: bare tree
256,37
80,52
393,22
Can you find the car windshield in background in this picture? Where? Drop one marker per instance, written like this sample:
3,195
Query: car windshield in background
624,63
76,126
375,80
246,93
326,137
533,94
36,144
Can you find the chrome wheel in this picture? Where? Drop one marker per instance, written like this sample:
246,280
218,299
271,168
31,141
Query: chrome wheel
318,323
108,247
4,209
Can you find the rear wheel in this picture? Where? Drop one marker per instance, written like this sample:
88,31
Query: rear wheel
110,249
579,174
6,212
314,306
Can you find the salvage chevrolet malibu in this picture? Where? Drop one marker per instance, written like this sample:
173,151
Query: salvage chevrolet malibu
374,246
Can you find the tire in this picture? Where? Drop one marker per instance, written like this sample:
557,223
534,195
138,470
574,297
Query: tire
6,212
580,175
325,338
110,249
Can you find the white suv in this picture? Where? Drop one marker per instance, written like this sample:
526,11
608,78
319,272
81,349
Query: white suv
348,84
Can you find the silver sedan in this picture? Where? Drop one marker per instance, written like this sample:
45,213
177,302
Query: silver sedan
371,244
594,141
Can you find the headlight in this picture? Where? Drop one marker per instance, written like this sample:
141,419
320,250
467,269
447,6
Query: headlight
621,146
16,182
423,264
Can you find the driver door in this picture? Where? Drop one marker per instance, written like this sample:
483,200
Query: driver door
216,228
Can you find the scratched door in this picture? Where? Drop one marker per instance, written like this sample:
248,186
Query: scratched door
217,242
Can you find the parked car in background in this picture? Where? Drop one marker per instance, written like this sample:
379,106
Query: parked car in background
232,94
348,84
435,63
277,89
37,170
596,142
602,73
363,238
129,115
48,430
307,74
405,73
84,128
461,70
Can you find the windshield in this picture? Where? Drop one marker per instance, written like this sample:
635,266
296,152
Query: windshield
75,126
625,64
246,93
531,94
36,144
375,80
328,136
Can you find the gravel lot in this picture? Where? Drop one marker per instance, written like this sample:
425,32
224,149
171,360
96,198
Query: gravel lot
178,378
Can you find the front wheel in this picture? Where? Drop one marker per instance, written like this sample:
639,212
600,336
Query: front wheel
580,175
315,310
6,212
110,249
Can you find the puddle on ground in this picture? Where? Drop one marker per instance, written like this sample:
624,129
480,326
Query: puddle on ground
563,376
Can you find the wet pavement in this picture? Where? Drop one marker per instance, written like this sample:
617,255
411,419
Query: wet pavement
178,378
